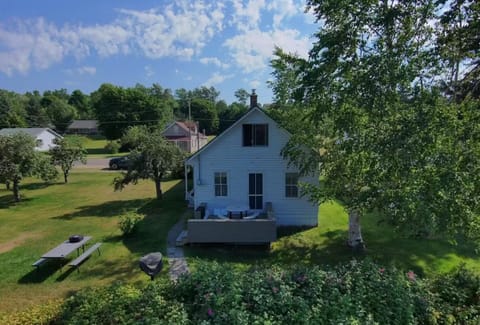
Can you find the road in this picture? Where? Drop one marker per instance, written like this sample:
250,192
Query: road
97,163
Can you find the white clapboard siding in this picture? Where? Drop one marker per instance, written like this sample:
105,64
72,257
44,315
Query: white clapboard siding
227,154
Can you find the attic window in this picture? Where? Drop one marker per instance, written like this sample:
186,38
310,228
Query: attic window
255,135
39,142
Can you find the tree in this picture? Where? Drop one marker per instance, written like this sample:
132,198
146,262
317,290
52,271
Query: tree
82,104
385,139
151,159
204,112
19,159
66,153
458,43
36,114
61,114
242,96
12,110
117,108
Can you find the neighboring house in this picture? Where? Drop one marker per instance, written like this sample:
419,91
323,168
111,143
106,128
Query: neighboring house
86,127
44,137
243,167
185,135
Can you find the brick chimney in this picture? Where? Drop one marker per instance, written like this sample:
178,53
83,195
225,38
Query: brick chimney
253,99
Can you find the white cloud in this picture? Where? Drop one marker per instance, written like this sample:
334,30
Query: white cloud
253,49
216,79
149,71
283,9
178,30
87,70
255,83
214,61
247,16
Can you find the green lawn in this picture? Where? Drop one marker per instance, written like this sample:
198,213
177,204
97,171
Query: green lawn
326,245
95,147
87,205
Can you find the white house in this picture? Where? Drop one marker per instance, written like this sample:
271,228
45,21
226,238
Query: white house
44,137
243,167
185,135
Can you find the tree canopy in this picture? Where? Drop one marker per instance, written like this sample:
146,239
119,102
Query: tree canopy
384,136
152,157
18,159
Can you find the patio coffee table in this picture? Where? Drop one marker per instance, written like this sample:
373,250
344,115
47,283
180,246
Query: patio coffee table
240,210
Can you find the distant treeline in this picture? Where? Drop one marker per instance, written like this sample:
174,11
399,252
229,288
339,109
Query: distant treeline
117,108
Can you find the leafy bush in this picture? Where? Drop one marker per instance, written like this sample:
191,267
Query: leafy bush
128,222
112,147
122,304
352,293
456,296
37,315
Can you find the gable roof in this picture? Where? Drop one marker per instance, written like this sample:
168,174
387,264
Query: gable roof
34,132
185,125
83,124
243,117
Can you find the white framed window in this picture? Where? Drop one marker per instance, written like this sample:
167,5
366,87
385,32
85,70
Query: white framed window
221,185
39,142
291,184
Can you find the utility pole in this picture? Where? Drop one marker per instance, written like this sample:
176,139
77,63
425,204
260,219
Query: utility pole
189,110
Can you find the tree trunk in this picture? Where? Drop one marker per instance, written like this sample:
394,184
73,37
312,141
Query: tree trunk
7,185
158,188
355,240
65,176
16,191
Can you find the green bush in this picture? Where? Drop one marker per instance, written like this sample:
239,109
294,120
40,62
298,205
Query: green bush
456,297
36,315
112,147
128,222
122,304
352,293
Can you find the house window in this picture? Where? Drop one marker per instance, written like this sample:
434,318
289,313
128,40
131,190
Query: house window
39,142
255,135
291,184
221,184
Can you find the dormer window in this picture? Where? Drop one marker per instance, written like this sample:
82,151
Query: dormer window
255,135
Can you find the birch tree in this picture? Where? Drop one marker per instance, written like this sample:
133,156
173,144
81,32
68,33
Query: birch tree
384,137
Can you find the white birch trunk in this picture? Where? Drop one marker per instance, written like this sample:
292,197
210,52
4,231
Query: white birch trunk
355,239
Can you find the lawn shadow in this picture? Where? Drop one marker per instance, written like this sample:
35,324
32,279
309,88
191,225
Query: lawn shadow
7,201
38,275
159,218
107,209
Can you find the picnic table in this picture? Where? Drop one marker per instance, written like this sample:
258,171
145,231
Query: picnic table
66,248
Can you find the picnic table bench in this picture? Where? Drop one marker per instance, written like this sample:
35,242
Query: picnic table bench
76,262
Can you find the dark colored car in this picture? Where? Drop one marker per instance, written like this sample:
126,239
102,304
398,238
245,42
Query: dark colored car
119,163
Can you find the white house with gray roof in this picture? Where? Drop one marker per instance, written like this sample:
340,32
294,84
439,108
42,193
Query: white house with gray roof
44,137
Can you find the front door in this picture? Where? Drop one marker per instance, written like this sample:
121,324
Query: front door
255,191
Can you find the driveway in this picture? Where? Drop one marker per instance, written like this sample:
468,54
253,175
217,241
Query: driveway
97,163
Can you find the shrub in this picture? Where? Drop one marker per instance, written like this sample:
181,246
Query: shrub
41,314
112,147
456,297
352,293
122,304
128,222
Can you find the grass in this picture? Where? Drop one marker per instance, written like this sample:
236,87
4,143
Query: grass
95,146
87,205
326,245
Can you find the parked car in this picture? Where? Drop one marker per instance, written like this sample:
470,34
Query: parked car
119,163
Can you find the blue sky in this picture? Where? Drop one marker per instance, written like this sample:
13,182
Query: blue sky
80,44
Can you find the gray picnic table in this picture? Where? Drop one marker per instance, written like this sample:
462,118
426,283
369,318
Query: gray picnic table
66,248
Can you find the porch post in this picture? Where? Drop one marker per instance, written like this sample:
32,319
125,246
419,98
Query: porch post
186,182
